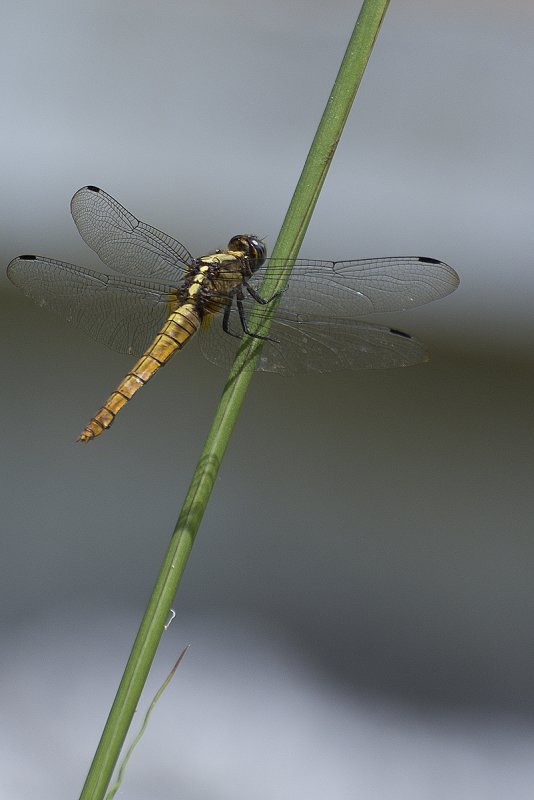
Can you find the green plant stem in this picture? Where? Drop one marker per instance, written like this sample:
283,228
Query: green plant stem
287,246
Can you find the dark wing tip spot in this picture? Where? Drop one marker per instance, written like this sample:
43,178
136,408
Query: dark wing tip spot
93,188
400,333
427,260
27,258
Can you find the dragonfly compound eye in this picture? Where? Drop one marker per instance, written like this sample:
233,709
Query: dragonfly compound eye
250,246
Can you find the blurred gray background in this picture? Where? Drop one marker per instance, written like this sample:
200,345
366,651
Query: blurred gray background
359,599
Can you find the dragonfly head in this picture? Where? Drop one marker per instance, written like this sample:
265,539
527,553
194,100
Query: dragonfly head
252,247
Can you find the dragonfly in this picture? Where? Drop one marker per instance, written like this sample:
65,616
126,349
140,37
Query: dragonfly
159,296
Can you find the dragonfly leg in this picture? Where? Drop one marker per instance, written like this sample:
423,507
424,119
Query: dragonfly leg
226,321
243,319
257,296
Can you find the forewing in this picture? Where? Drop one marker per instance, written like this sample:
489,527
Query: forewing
347,289
123,314
317,345
125,244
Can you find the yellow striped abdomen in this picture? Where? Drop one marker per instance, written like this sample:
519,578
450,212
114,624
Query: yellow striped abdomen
180,326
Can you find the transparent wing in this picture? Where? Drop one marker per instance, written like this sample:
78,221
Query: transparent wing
318,345
125,244
315,323
123,314
347,289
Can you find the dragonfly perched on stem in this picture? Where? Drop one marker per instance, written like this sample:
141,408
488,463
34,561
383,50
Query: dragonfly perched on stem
161,296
